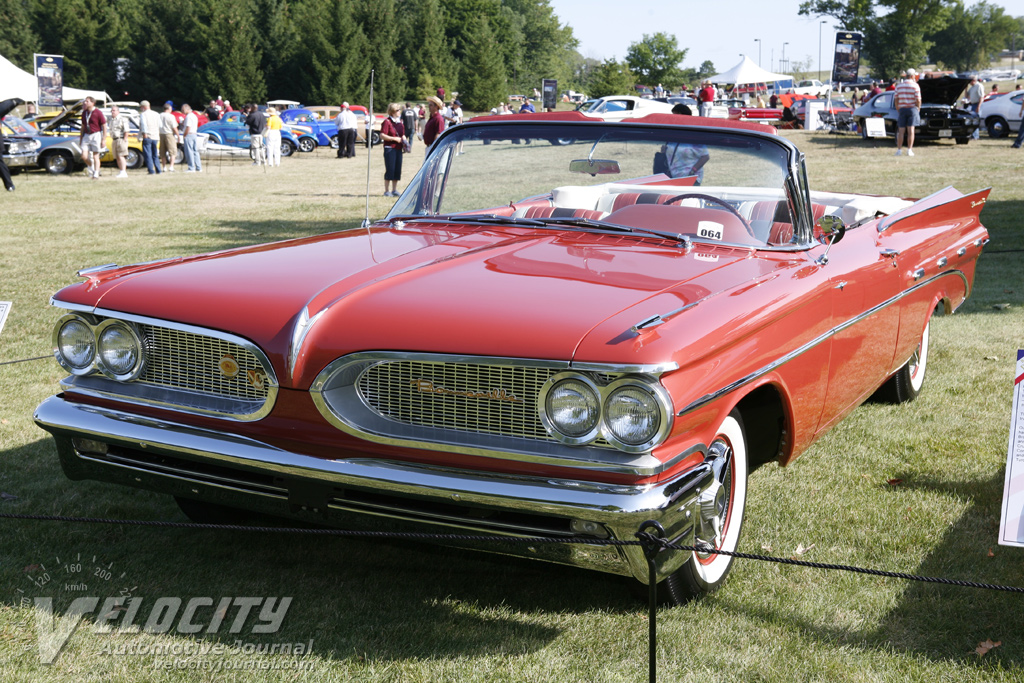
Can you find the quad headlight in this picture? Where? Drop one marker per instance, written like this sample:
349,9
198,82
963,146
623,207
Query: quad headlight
632,414
111,347
118,350
74,345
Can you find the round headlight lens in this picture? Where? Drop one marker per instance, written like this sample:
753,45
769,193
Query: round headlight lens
573,407
119,351
76,344
632,415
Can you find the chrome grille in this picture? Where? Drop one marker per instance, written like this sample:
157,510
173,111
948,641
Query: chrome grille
191,362
483,399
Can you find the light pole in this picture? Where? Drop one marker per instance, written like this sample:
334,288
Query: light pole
783,63
823,21
758,41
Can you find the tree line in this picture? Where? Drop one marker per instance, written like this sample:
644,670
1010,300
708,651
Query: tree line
312,51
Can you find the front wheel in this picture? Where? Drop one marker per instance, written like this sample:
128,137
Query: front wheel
58,162
906,384
287,148
134,159
720,516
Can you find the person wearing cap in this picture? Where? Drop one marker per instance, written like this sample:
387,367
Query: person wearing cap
907,99
168,136
435,122
346,123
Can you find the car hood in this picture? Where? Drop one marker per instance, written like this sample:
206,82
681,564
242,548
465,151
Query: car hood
60,119
440,289
942,91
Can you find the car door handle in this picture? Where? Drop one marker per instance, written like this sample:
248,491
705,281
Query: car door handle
890,253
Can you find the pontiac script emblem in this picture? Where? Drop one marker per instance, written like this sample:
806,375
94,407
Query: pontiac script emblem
425,386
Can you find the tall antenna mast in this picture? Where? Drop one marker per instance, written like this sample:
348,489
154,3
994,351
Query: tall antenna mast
369,152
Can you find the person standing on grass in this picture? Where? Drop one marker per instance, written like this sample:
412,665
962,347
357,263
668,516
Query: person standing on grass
347,124
409,121
975,94
5,107
907,99
168,136
435,122
119,139
392,135
257,124
149,129
192,160
92,137
274,126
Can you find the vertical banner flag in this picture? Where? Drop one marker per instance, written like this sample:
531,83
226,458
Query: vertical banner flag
846,62
550,94
1011,528
50,76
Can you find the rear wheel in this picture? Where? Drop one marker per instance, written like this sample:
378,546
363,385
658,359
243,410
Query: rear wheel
720,516
334,142
306,144
134,159
906,384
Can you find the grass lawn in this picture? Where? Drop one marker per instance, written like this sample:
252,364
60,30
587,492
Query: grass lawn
914,488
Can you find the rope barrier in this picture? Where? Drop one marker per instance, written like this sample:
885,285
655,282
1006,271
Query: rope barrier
24,360
651,543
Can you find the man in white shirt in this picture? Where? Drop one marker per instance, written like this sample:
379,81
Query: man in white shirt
195,164
168,136
149,129
346,123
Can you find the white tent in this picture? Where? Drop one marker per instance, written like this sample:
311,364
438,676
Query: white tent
17,83
748,72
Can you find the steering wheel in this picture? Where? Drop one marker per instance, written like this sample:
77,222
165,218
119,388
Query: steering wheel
715,200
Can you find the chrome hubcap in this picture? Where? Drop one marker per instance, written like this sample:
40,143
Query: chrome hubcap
713,502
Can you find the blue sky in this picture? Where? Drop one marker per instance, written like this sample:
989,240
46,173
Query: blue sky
719,30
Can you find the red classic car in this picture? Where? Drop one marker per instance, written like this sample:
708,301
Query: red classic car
543,339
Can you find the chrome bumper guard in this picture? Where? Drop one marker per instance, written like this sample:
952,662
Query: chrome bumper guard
225,469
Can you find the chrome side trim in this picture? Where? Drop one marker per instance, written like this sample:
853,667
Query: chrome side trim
761,372
86,272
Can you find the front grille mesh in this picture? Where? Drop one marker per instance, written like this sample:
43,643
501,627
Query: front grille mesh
191,362
484,399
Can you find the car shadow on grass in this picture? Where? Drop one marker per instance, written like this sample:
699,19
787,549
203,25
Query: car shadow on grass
368,599
227,234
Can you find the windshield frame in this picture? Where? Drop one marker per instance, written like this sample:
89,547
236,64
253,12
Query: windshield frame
795,184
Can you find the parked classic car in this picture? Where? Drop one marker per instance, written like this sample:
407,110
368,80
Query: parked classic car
231,130
940,119
29,149
619,107
322,131
565,353
1001,115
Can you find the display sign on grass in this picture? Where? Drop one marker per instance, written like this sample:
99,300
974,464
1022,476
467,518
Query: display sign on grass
5,308
1011,528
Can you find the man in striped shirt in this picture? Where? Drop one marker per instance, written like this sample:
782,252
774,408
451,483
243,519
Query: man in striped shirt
907,99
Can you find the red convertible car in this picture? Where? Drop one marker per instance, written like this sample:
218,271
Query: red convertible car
545,339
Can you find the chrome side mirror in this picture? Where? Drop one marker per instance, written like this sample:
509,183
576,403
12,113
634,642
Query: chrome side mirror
832,229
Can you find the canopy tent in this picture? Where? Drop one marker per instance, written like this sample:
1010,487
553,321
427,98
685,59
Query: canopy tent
15,82
747,72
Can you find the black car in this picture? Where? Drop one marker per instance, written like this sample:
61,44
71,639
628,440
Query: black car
940,119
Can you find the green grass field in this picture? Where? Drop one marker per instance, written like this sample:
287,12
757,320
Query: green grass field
913,488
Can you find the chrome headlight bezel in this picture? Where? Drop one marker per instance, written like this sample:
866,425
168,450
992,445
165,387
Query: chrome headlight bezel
604,393
548,420
61,357
658,394
132,333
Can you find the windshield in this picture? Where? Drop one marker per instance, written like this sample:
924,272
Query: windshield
661,178
17,126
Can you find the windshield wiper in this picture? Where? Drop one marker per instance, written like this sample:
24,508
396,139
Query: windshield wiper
485,218
591,224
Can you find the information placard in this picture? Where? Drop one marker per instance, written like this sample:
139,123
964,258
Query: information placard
1011,528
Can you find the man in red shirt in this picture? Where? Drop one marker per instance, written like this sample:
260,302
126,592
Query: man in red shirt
706,97
907,100
92,137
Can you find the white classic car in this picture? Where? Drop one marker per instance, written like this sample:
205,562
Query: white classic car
618,107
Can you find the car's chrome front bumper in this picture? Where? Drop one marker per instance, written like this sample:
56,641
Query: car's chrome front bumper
30,160
225,469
